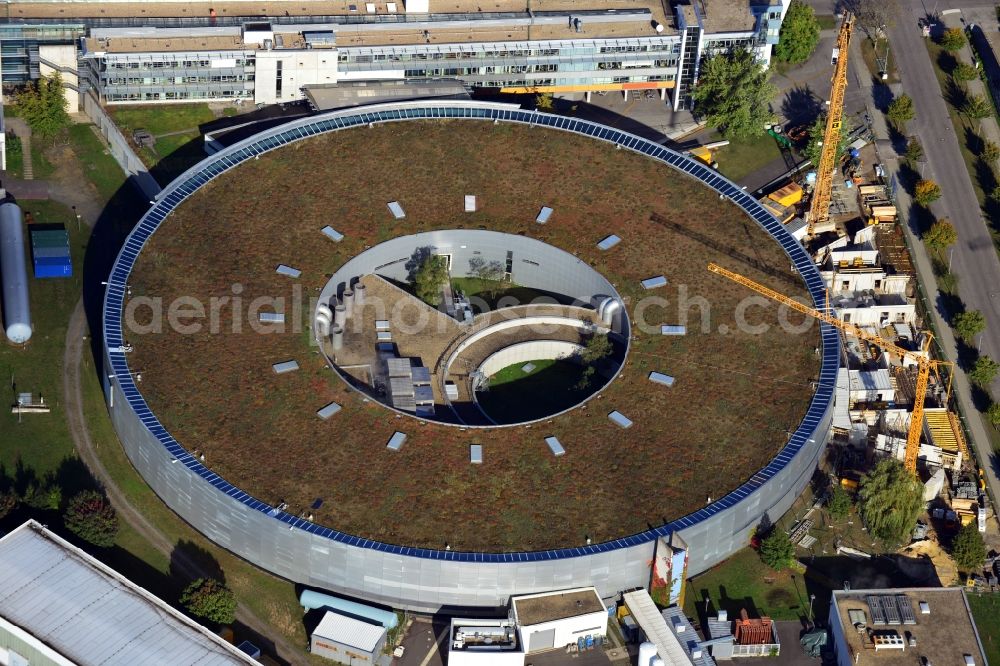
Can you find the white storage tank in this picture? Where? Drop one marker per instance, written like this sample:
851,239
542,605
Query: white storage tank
646,653
14,274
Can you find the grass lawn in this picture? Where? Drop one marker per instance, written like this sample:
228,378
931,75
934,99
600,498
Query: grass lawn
507,294
41,441
744,581
827,21
98,165
549,388
868,51
172,154
986,613
15,157
741,158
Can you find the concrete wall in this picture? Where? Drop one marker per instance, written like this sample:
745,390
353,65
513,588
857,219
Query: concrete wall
120,148
523,352
568,630
432,580
62,58
298,68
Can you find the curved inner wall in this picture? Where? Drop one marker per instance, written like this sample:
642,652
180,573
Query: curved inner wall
256,531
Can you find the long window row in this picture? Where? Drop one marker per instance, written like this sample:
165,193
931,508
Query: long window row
169,80
353,55
110,65
178,95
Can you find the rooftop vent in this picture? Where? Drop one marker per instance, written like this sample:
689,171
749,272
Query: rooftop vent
969,661
925,608
723,616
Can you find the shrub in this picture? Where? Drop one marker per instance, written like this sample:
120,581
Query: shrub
953,39
926,192
901,110
8,500
977,106
92,518
914,151
965,72
777,550
940,236
839,502
968,548
993,414
984,371
969,324
210,599
990,152
799,33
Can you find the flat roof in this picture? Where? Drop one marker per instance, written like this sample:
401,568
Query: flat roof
549,606
167,44
944,636
89,613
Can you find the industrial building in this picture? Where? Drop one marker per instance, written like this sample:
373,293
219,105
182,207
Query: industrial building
904,626
556,619
231,52
347,640
428,579
59,605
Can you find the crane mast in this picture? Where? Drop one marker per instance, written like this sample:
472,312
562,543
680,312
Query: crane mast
924,363
819,207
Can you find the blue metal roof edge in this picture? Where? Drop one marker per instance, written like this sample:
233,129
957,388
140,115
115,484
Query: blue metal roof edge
192,179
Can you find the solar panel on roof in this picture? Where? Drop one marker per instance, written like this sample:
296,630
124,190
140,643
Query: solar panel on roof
328,411
544,215
620,419
555,446
286,366
332,234
660,378
905,609
476,454
890,609
875,606
288,270
272,317
470,203
396,441
672,330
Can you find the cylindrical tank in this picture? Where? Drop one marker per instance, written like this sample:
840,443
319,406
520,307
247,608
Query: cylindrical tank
14,273
310,599
347,300
656,661
337,337
646,653
658,26
359,295
339,316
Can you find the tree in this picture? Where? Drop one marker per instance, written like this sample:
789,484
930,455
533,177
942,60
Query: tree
838,504
8,500
210,599
544,102
491,273
596,348
42,105
940,236
873,16
901,110
777,550
977,106
989,152
799,33
91,517
914,151
964,72
952,39
890,499
968,549
926,192
428,278
734,94
814,149
969,324
984,371
993,414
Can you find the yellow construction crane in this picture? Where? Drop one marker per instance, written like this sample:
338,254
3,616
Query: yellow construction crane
924,363
819,208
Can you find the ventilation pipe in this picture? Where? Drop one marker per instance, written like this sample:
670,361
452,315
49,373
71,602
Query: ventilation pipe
337,337
14,267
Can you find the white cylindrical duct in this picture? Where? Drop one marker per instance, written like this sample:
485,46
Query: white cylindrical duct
337,337
348,301
14,273
359,295
646,653
340,316
607,309
323,308
656,661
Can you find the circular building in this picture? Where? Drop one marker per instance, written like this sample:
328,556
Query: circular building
432,354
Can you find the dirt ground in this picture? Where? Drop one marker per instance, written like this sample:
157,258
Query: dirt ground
737,397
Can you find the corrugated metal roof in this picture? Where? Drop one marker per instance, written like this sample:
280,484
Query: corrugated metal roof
870,380
674,616
668,647
349,631
90,613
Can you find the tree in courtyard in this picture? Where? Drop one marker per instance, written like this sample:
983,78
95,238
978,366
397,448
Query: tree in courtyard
597,348
777,550
734,94
952,39
940,236
91,517
210,599
799,33
873,16
545,102
901,110
429,278
891,499
914,151
984,371
964,72
968,549
491,273
969,324
926,192
977,106
989,152
43,106
838,504
993,414
8,501
814,149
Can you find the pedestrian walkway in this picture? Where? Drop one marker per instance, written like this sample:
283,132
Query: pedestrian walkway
23,132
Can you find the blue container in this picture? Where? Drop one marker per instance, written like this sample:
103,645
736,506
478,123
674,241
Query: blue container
49,268
40,252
